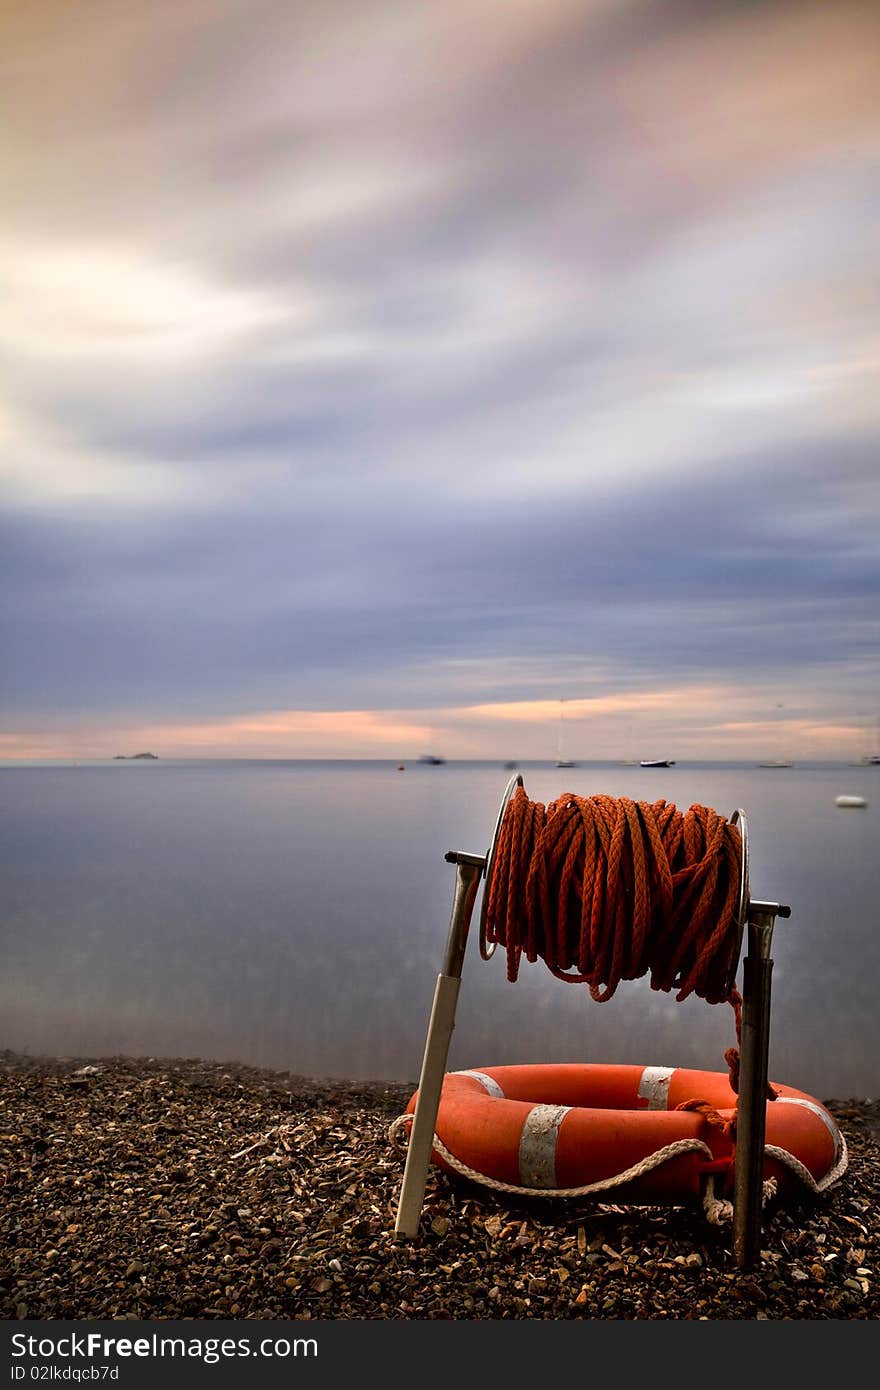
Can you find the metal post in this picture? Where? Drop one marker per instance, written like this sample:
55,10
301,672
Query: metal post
469,868
752,1111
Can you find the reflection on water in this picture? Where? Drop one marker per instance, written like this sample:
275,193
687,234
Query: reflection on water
295,915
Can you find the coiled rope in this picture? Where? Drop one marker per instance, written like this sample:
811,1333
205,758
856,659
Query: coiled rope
604,889
613,889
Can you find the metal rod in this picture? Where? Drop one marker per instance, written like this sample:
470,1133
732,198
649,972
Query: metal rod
752,1110
469,868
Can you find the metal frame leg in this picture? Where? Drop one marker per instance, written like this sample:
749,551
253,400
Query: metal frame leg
752,1110
442,1022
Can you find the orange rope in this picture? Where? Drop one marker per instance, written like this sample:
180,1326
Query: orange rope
605,889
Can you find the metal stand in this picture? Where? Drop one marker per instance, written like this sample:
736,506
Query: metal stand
748,1180
418,1154
755,1041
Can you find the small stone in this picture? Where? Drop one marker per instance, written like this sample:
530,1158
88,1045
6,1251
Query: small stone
136,1267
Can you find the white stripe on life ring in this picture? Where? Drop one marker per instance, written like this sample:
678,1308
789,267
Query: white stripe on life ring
487,1082
537,1145
654,1086
823,1116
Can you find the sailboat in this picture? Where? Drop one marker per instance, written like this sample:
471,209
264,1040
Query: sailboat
869,758
632,760
561,760
777,762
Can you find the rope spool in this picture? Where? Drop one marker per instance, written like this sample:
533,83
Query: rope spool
604,889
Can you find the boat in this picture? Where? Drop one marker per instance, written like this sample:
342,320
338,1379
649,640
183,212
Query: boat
561,760
781,761
431,760
871,756
568,1129
657,762
850,801
630,760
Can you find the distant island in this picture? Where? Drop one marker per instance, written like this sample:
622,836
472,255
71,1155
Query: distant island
124,758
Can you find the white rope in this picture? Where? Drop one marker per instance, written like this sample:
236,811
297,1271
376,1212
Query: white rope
718,1210
654,1160
804,1173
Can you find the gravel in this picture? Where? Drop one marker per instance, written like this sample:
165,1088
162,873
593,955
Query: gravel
153,1188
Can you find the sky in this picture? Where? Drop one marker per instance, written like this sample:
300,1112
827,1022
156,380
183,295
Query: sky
381,378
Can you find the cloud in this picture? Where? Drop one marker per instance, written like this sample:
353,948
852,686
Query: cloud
438,357
603,729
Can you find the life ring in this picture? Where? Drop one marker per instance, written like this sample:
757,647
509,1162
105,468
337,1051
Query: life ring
572,1129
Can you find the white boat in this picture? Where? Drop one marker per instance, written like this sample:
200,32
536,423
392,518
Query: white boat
871,755
657,762
561,760
850,801
631,760
781,745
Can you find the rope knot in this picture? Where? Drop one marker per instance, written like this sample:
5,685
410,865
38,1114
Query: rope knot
395,1130
732,1059
711,1116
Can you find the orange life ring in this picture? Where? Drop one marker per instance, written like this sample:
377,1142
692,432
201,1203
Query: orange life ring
569,1128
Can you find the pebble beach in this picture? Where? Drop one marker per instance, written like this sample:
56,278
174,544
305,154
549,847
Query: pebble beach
183,1189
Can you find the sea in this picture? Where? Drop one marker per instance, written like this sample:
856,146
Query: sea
294,915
